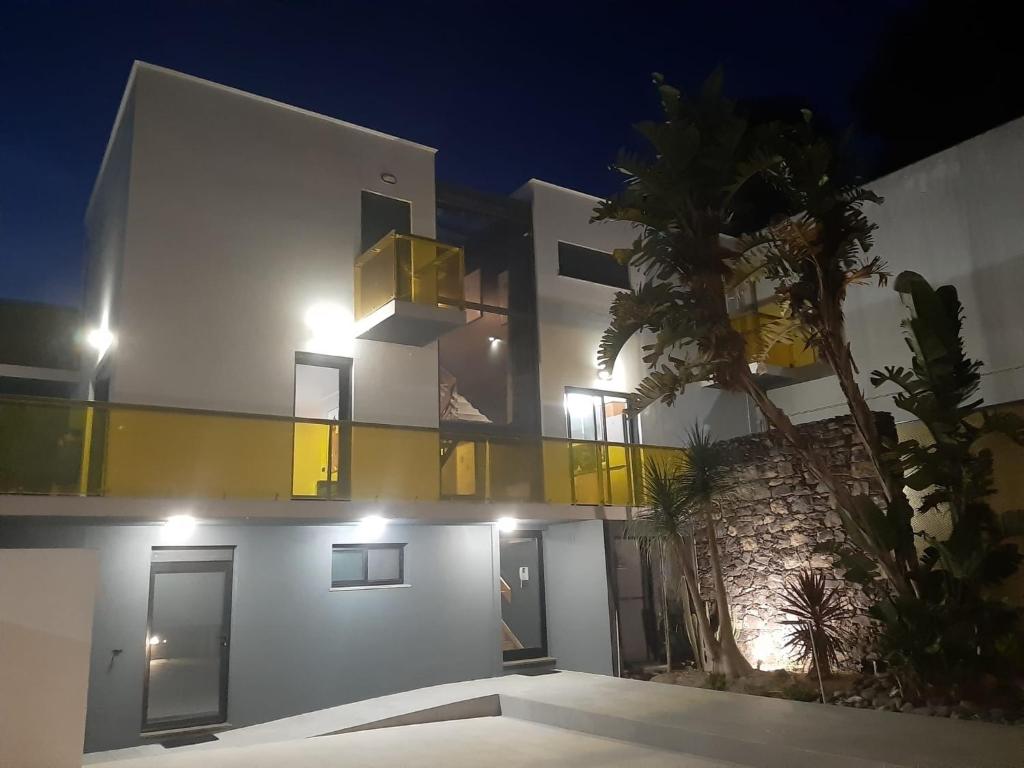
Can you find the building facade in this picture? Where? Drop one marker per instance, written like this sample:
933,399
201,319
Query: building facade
340,429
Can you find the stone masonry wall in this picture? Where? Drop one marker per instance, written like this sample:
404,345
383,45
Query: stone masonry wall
775,514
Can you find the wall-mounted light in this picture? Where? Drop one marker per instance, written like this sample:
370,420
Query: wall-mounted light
179,529
154,640
101,339
389,178
604,374
507,524
371,528
330,326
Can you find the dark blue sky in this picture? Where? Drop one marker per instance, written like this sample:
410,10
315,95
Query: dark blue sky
505,90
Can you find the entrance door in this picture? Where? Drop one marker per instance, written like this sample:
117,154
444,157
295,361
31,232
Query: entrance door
323,403
188,639
523,624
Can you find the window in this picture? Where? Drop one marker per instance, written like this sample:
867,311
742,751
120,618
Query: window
592,266
380,215
595,415
367,565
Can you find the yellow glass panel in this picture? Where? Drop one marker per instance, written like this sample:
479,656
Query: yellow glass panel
41,447
458,469
375,277
512,470
620,484
310,458
408,268
175,454
394,463
587,480
558,486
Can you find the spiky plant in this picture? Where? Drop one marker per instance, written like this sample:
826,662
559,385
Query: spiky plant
703,481
662,521
819,631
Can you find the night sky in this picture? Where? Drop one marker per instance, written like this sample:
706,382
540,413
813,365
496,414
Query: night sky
505,90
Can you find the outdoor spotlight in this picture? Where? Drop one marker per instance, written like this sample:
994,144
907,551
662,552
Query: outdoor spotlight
100,339
179,528
604,374
371,527
507,524
154,640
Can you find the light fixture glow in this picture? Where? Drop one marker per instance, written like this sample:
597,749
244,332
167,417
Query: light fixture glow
604,375
507,524
101,339
371,527
154,640
330,326
179,528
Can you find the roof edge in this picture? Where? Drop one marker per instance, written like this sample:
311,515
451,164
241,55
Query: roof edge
139,65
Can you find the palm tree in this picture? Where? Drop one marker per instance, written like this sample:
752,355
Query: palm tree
678,498
682,200
703,483
655,530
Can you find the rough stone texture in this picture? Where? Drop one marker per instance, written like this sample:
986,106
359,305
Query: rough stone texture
774,516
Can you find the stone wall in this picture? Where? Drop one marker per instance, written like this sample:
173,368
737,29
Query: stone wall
774,516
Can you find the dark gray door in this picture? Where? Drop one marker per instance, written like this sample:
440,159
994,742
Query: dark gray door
187,644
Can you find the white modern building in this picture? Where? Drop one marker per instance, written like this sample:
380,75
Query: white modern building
341,430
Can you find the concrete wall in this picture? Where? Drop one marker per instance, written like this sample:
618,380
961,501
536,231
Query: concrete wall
243,214
956,218
576,594
46,612
296,645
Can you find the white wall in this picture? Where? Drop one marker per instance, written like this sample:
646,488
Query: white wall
955,217
242,214
573,314
46,608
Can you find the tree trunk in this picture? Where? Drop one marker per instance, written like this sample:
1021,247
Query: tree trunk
844,499
710,642
735,662
664,615
692,635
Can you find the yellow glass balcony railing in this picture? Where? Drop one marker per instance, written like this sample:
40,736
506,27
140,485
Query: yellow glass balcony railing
784,355
410,269
59,447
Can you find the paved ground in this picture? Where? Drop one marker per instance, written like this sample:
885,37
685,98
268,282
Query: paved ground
576,719
484,741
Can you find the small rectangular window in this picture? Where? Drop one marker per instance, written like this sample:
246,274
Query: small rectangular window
592,266
367,565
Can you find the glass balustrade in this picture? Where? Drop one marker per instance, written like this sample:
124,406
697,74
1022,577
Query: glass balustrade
793,354
72,448
411,269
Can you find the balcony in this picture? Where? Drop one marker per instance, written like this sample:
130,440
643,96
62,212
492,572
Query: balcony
408,290
121,451
784,363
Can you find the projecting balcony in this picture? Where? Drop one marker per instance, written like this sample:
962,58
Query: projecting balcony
783,363
409,290
62,448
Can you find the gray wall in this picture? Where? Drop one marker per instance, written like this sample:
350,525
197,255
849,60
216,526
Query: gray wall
296,646
576,593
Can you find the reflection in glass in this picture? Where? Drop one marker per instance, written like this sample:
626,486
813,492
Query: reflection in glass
187,643
522,602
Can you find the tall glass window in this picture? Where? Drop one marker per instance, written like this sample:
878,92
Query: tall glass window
604,416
